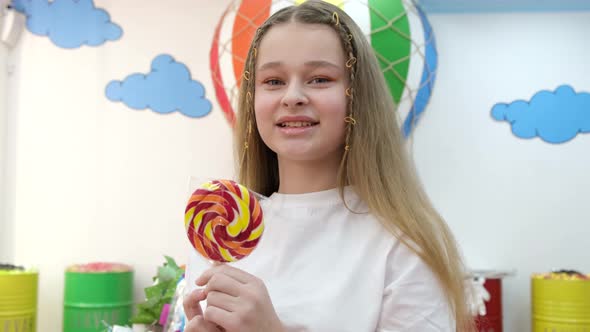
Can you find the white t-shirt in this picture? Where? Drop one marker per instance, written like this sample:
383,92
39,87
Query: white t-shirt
329,269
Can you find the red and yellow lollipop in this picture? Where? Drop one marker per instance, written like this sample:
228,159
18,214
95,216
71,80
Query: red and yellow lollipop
224,221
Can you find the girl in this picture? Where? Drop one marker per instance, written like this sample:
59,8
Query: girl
351,241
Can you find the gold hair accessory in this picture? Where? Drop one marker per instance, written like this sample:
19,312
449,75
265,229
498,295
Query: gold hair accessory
335,19
347,147
247,75
246,145
350,119
248,96
349,92
350,37
350,62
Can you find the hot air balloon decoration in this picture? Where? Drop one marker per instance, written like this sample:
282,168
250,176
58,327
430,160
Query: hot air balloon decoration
398,31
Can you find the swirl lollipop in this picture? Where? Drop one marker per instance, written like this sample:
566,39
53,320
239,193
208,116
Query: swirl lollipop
223,220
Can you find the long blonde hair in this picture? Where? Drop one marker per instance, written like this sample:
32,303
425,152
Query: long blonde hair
377,164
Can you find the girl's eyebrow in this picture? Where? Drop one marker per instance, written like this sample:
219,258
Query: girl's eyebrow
321,63
314,64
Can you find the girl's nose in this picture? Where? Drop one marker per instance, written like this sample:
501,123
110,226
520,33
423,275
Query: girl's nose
294,96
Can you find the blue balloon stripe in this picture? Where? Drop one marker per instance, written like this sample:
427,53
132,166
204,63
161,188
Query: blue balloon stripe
428,77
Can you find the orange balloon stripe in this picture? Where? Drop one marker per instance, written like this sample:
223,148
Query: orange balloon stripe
249,17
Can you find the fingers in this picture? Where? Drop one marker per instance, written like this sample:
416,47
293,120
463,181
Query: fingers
192,307
222,301
230,271
200,324
221,317
223,283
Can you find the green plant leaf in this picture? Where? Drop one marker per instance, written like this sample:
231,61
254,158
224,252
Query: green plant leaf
159,294
143,318
171,263
166,273
156,290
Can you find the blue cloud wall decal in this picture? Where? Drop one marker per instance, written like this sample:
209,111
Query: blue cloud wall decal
69,23
167,88
554,116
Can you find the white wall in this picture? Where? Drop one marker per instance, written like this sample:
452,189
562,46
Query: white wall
95,180
512,203
5,245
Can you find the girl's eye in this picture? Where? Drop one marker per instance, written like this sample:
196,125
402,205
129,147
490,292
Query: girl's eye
319,80
273,82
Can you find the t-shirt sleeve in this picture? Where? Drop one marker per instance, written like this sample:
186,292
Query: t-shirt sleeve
413,300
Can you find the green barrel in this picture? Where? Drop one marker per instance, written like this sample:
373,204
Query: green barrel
18,301
91,298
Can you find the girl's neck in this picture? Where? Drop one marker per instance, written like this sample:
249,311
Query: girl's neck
299,177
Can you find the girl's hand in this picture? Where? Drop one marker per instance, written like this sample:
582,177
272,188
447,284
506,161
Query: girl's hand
194,314
237,301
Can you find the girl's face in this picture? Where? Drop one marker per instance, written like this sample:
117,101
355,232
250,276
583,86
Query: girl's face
300,101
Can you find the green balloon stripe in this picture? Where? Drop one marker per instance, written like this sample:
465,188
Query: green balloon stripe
391,42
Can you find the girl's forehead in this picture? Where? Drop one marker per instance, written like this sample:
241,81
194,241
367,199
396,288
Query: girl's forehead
296,41
303,33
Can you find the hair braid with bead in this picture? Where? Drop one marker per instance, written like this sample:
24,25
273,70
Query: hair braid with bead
350,49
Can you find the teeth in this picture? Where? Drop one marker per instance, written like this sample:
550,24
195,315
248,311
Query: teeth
296,124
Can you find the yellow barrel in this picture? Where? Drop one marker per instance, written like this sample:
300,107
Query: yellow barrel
560,303
18,300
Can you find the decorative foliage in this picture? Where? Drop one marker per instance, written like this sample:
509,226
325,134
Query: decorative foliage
159,294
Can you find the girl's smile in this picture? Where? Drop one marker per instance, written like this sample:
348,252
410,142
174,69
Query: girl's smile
296,125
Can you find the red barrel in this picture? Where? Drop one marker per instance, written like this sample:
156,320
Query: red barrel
492,321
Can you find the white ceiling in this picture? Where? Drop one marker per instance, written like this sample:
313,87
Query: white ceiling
466,6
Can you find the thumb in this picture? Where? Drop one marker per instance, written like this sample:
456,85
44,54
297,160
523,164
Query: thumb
192,305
